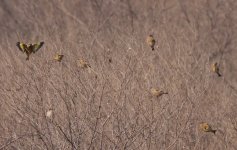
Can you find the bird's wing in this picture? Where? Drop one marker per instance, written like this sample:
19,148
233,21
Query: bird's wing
37,46
153,41
22,47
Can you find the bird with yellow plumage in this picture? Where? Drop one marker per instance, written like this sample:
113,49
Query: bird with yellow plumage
58,57
151,42
205,127
156,92
216,69
83,64
29,48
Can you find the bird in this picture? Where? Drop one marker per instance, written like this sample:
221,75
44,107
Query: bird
84,64
49,113
151,41
58,57
216,69
157,92
29,48
205,127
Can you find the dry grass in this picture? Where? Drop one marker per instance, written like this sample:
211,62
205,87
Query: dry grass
109,105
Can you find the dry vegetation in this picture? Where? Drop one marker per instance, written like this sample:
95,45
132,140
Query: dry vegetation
46,104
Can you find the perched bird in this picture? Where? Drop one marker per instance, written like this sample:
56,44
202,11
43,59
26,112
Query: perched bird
30,48
84,64
205,127
151,42
157,92
49,113
58,57
216,69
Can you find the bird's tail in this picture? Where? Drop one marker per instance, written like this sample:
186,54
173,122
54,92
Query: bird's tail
214,131
152,48
218,73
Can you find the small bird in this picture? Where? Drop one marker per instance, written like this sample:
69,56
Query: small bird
205,127
84,64
157,92
151,42
30,48
216,69
49,113
58,57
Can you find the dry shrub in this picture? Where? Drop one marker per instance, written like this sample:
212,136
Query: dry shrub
109,105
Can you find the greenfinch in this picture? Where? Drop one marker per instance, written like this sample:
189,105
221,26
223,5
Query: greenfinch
84,64
205,127
58,57
216,69
157,92
29,48
151,42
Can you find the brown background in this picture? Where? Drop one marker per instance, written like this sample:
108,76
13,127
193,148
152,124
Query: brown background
110,107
